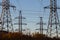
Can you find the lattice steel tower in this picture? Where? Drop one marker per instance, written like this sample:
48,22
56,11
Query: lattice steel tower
20,23
53,23
6,16
41,25
41,28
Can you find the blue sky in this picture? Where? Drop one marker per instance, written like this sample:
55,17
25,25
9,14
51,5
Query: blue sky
32,10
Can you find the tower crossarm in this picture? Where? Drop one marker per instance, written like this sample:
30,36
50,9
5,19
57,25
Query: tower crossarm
42,23
14,7
20,23
48,7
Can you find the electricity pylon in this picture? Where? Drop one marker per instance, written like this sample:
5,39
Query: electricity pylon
53,23
6,16
20,21
0,22
41,25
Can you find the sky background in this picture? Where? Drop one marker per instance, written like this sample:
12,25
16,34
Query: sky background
31,10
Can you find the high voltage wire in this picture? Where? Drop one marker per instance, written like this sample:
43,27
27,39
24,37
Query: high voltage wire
19,3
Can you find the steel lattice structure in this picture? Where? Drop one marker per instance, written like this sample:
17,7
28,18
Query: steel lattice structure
53,23
20,18
41,28
6,16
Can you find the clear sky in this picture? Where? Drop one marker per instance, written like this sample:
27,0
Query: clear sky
32,10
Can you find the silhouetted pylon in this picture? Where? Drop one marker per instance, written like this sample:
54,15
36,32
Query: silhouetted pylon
6,16
53,23
41,25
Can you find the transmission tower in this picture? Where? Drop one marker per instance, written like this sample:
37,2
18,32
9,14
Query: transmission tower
20,21
6,16
41,25
53,23
0,22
